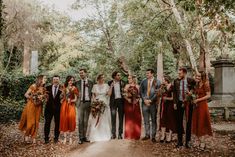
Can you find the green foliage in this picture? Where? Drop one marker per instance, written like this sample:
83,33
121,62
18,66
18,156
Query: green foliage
14,86
1,17
10,110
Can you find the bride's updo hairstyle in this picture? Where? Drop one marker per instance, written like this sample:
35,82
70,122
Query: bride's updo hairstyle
99,77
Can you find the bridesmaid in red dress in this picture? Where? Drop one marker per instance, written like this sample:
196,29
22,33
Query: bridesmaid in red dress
68,112
201,124
132,110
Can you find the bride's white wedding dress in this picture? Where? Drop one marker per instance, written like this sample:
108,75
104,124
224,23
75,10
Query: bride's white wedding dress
102,131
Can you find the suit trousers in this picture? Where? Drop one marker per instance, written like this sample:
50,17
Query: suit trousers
117,105
179,118
150,111
83,116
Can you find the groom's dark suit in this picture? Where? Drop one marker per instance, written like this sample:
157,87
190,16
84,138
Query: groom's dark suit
52,109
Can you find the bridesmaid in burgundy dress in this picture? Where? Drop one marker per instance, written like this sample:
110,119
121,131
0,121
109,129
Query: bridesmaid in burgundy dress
132,110
167,115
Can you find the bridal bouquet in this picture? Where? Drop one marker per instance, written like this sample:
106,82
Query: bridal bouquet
39,98
97,108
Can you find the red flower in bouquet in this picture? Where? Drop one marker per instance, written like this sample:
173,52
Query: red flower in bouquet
97,108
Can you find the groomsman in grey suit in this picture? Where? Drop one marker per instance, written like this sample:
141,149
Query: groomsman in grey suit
85,88
148,89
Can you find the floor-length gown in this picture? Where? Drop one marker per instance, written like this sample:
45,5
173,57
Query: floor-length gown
102,130
132,117
201,124
29,122
168,114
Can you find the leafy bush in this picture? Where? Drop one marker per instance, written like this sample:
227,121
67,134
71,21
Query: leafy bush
10,109
14,87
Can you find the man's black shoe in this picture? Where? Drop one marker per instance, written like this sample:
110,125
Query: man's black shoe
187,145
179,145
46,141
113,137
119,137
146,138
80,142
154,140
85,140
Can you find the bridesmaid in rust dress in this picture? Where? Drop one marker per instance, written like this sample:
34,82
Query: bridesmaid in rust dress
29,122
167,114
132,110
68,112
201,124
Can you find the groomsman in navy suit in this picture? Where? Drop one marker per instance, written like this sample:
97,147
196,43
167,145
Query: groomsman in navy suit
148,95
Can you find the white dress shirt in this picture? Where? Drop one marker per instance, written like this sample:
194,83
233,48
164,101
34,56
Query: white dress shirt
117,90
87,97
53,90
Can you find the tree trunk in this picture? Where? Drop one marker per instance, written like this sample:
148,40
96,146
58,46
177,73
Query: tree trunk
160,63
182,29
159,77
1,55
26,60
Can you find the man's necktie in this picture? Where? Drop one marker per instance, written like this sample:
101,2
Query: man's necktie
183,90
55,91
84,90
149,88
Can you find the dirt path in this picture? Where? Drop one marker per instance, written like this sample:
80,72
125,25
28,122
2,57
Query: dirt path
11,144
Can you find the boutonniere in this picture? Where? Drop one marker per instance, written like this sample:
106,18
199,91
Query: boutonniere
86,85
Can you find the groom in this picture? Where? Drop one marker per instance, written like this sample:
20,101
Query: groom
117,103
149,107
52,109
85,87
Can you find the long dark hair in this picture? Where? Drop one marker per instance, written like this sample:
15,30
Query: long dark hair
39,80
68,78
203,76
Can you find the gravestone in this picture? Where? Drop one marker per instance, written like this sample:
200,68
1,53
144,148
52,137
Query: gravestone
224,87
34,62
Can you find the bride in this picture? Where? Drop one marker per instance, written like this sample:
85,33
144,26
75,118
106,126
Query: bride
101,131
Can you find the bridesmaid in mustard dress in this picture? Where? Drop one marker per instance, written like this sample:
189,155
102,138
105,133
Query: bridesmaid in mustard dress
68,112
29,122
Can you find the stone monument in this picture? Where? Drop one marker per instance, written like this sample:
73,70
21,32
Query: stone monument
224,87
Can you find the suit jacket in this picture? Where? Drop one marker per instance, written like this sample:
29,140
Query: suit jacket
90,86
53,103
176,88
144,87
112,97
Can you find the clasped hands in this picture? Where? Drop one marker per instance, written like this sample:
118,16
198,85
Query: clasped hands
147,102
